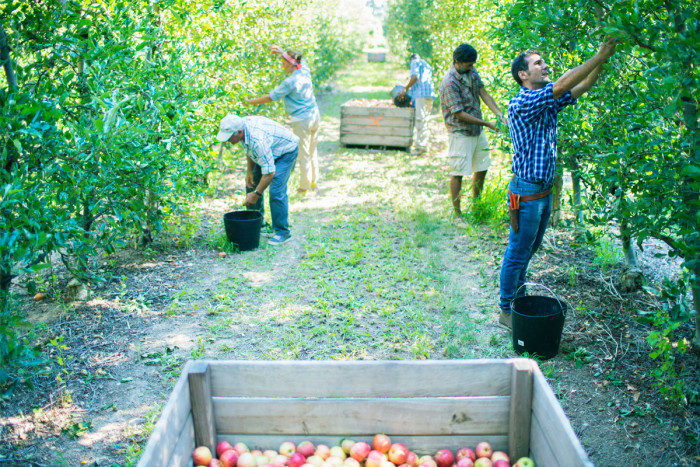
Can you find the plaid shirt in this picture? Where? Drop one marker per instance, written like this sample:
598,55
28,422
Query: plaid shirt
461,92
265,140
424,73
532,116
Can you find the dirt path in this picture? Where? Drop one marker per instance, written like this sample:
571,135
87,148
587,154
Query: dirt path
375,270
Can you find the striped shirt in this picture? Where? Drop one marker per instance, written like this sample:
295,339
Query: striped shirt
423,72
532,116
265,141
461,93
297,93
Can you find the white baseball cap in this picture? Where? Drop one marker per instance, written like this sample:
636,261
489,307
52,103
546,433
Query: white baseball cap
230,124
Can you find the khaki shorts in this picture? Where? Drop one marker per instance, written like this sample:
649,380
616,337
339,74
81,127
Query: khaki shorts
467,154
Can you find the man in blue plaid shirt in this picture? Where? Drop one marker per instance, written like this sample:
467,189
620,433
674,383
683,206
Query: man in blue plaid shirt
532,116
422,92
271,151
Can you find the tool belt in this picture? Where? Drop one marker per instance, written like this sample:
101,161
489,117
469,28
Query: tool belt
514,200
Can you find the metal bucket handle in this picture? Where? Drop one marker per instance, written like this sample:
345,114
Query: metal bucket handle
556,297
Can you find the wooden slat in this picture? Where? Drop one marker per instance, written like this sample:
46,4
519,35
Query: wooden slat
376,111
202,406
182,455
540,450
402,416
366,121
373,130
520,407
422,445
376,140
401,378
555,428
166,432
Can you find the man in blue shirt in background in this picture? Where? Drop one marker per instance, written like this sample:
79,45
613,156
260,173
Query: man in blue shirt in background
423,94
532,114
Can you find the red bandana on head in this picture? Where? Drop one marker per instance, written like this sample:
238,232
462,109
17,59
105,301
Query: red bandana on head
291,60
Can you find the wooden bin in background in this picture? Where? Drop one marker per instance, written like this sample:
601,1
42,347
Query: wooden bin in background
376,126
427,405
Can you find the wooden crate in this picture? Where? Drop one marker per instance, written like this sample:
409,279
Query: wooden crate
376,126
426,405
376,56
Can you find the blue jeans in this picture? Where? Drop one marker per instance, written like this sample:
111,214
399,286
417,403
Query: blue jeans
279,201
533,219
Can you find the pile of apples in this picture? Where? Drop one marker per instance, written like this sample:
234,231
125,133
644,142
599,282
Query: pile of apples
382,453
370,103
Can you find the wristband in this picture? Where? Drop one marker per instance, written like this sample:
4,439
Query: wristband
257,192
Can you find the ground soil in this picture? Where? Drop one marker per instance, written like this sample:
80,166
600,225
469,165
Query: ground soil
125,345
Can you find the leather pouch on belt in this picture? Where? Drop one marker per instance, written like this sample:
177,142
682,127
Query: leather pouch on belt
514,210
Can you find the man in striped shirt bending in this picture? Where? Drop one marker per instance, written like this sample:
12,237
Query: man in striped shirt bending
532,116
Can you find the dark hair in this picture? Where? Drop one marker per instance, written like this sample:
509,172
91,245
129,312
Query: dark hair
464,53
520,64
414,56
295,55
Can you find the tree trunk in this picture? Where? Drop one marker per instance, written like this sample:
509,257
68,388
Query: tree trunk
6,61
556,199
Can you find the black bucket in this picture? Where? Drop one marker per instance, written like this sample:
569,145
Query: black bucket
537,323
400,101
243,228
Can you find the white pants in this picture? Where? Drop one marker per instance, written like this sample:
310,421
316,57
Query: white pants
467,154
307,131
424,106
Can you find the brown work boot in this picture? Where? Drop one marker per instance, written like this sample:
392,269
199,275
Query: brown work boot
505,320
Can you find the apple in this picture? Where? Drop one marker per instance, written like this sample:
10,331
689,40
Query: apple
215,463
398,453
222,447
337,451
500,463
335,461
427,461
483,449
245,459
360,451
279,460
306,448
412,459
524,462
325,464
350,462
375,458
444,458
387,463
288,448
465,462
500,455
201,456
483,462
240,448
315,460
295,460
270,454
323,451
256,452
346,444
466,452
229,458
381,443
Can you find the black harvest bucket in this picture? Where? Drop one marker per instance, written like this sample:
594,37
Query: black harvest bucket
243,228
537,323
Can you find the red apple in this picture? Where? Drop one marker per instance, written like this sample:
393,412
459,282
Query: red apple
215,463
245,459
228,458
398,453
412,459
444,458
306,448
483,449
296,460
346,444
323,451
222,447
381,443
465,462
500,463
279,460
500,455
427,461
288,448
201,456
375,458
360,451
240,448
483,462
466,452
524,462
